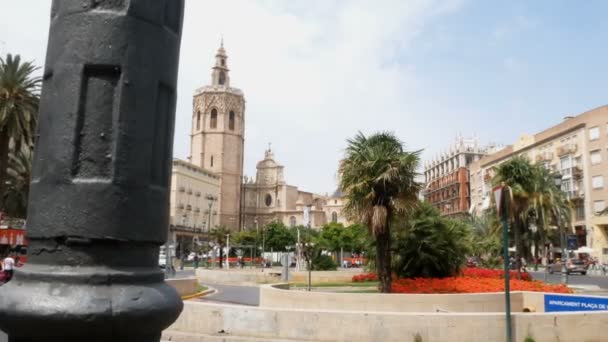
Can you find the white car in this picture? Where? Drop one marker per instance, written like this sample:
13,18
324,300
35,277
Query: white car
162,260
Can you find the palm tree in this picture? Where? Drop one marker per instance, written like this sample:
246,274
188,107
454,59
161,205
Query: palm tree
19,96
18,182
377,179
518,174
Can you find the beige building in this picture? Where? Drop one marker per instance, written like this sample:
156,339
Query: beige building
193,202
217,145
578,149
217,137
269,198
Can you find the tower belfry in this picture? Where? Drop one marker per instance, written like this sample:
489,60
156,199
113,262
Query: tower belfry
217,137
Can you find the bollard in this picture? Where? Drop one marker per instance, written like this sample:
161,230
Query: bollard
285,273
98,207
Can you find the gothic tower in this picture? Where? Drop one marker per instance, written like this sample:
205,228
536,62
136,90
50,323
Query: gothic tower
217,138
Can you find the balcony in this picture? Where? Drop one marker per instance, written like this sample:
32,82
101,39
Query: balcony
577,172
189,192
180,206
197,210
189,207
544,157
181,189
566,149
197,194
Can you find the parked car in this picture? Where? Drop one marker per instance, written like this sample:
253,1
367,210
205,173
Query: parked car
572,266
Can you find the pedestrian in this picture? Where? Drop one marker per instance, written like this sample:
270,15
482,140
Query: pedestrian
8,265
196,259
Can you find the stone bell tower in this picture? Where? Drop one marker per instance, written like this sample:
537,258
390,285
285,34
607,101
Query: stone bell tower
217,137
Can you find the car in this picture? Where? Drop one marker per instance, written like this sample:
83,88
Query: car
162,260
572,266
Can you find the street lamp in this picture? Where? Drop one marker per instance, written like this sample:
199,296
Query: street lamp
534,228
210,198
307,249
557,178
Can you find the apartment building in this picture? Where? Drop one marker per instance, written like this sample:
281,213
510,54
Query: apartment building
193,203
577,148
447,176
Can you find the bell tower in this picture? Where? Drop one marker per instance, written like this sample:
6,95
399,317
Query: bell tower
217,137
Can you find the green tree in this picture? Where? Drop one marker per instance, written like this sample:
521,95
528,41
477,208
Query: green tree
18,182
430,245
276,237
519,174
377,178
19,97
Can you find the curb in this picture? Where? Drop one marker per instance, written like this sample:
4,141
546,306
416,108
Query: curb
199,294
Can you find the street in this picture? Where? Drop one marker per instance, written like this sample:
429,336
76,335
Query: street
573,279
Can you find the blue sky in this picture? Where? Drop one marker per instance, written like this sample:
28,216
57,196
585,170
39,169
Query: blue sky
315,72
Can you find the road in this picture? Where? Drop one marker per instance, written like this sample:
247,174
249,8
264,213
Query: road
231,294
573,279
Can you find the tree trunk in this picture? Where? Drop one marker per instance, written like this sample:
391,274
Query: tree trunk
383,260
4,140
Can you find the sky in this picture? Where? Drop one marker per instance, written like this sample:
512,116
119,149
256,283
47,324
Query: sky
315,72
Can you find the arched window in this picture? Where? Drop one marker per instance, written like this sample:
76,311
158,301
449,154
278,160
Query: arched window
213,121
198,120
292,221
334,217
211,162
268,200
222,79
231,121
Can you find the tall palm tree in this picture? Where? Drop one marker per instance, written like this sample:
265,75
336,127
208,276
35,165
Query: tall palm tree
377,179
19,96
518,173
18,182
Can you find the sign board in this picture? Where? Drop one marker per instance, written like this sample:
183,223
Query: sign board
555,303
306,216
572,242
13,237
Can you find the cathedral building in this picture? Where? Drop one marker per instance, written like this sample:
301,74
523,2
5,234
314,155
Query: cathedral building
217,145
217,138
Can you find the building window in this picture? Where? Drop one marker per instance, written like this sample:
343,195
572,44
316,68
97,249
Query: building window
213,121
222,79
268,200
231,121
334,217
198,120
335,201
599,206
211,161
597,182
223,62
292,221
565,165
594,133
580,212
596,157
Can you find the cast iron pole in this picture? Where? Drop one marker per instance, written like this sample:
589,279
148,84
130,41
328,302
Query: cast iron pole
98,208
505,237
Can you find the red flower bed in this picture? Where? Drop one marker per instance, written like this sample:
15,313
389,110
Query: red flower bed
496,274
365,277
471,285
472,280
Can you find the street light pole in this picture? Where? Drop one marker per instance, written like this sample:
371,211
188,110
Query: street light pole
557,177
502,197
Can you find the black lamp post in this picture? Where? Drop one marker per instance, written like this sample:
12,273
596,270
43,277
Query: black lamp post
98,200
557,178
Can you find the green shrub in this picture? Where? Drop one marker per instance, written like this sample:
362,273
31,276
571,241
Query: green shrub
323,263
430,245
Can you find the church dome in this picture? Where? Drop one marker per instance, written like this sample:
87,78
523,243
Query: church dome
268,161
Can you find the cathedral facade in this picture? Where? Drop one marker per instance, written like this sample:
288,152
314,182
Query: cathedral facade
217,144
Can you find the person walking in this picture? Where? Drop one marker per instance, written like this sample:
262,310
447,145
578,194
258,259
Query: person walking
196,259
8,265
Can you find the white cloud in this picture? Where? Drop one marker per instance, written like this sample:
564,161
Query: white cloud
313,73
